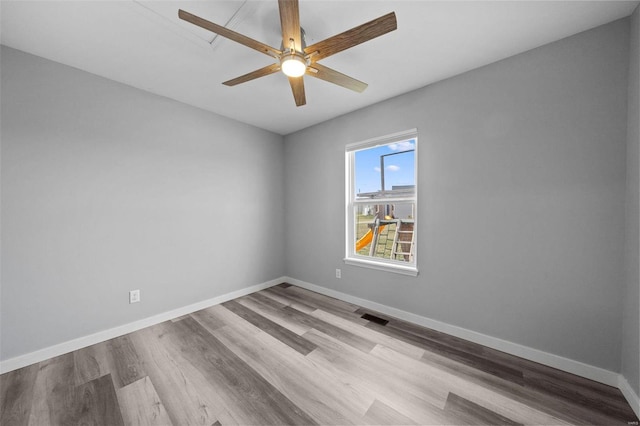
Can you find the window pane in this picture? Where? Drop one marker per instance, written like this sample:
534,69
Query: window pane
385,231
385,171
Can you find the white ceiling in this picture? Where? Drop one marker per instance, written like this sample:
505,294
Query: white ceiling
145,45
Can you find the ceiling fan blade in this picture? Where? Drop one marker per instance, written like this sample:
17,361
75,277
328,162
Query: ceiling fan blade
269,69
231,35
352,37
297,87
290,23
335,77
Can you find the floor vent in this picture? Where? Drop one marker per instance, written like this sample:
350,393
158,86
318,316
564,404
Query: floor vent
375,319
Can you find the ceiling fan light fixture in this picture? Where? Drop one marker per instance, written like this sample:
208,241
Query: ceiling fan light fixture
293,64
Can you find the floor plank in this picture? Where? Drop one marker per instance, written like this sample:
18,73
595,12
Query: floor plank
471,413
391,384
584,399
369,334
470,358
273,294
453,382
16,394
537,400
275,314
381,414
295,320
327,304
90,363
187,396
321,394
92,403
127,367
52,390
284,335
257,397
141,405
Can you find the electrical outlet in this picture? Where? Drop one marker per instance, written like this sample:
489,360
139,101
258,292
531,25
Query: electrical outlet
134,296
338,273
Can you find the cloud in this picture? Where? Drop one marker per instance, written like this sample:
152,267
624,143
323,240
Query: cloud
377,169
392,168
402,146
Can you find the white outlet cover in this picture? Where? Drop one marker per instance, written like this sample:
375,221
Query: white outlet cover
134,296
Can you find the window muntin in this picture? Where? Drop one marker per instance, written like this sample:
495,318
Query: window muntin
381,203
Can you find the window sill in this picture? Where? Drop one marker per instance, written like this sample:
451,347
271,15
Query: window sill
381,266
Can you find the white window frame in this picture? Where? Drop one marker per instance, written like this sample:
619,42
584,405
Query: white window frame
353,258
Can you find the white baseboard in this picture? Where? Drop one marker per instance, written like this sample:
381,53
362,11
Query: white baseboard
565,364
101,336
629,394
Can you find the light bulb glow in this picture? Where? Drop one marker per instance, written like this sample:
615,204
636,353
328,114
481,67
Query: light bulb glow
293,65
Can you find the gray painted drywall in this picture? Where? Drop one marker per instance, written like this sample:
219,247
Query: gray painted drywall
106,188
631,301
522,192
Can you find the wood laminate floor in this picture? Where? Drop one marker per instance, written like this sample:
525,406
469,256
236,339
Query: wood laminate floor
286,355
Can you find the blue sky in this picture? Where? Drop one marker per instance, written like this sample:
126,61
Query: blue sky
399,169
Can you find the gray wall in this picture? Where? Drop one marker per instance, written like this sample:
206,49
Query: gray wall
522,198
106,188
631,310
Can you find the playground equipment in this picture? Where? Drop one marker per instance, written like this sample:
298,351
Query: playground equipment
366,239
402,247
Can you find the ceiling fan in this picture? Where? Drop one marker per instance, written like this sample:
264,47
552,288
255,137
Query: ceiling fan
295,59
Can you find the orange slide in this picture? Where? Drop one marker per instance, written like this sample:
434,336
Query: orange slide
366,239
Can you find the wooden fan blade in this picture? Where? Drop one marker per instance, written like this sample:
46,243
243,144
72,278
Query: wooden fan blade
290,23
269,69
335,77
352,37
231,35
297,87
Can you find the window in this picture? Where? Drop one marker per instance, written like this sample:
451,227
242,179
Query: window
382,199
